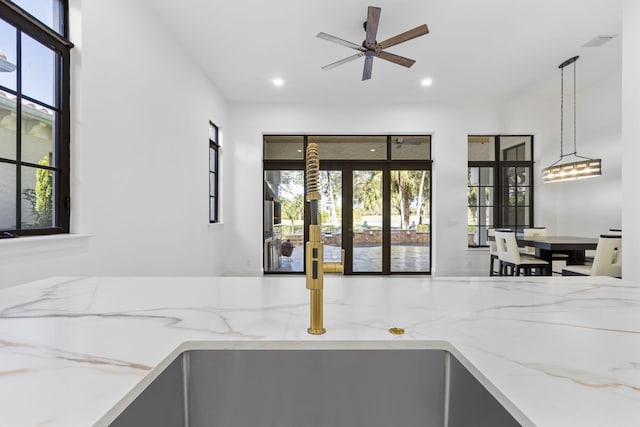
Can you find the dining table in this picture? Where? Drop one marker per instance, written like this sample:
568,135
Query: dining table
548,246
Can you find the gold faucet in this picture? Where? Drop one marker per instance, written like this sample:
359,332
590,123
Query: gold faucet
315,265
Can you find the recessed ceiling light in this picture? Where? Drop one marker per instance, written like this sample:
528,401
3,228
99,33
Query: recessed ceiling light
277,82
299,150
372,150
426,82
597,41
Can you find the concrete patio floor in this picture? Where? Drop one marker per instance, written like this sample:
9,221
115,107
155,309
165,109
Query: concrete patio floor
404,258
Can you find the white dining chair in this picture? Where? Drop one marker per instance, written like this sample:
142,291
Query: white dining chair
512,262
606,262
493,250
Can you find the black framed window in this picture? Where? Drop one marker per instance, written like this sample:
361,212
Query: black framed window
52,13
481,209
214,173
34,118
375,202
500,184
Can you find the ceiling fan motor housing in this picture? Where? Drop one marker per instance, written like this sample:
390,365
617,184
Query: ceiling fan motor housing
370,47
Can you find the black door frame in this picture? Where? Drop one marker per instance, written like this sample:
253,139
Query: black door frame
347,167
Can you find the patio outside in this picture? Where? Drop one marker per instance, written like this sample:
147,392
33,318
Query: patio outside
366,258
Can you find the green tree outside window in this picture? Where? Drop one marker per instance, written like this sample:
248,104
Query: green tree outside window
41,198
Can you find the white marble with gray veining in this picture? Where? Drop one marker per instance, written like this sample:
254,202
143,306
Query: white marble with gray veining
555,351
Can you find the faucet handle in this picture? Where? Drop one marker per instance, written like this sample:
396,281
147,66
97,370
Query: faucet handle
335,267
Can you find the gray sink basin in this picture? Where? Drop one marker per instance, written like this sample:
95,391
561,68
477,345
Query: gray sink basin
315,388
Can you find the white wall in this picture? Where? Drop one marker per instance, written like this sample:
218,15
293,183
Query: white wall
630,135
448,125
140,113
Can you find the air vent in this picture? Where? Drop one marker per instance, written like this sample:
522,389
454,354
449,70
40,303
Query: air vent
597,41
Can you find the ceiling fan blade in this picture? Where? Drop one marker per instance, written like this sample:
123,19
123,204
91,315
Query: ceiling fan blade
338,40
368,66
397,59
342,61
407,35
373,18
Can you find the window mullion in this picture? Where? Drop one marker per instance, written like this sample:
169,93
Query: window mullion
18,129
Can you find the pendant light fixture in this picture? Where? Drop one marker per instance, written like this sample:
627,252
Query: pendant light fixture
583,167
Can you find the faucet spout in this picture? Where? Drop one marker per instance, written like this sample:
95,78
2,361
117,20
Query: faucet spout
314,259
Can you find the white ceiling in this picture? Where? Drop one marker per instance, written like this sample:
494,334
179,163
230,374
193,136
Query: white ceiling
475,49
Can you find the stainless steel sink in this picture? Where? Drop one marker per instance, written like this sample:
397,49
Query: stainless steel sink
315,388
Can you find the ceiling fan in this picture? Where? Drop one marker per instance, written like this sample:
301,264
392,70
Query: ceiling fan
370,46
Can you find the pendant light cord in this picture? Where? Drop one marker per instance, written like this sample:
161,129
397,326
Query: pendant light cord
575,121
575,149
575,136
561,111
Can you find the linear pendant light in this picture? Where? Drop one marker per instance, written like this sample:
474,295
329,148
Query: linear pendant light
585,167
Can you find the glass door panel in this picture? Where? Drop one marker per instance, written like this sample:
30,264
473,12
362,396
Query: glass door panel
516,197
331,214
481,194
410,221
367,221
283,221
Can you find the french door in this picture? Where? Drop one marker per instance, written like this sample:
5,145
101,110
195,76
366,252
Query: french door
387,220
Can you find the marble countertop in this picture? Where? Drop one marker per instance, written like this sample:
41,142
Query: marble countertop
554,351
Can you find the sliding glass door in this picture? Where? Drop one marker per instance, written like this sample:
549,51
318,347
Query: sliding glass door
410,221
331,214
368,222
